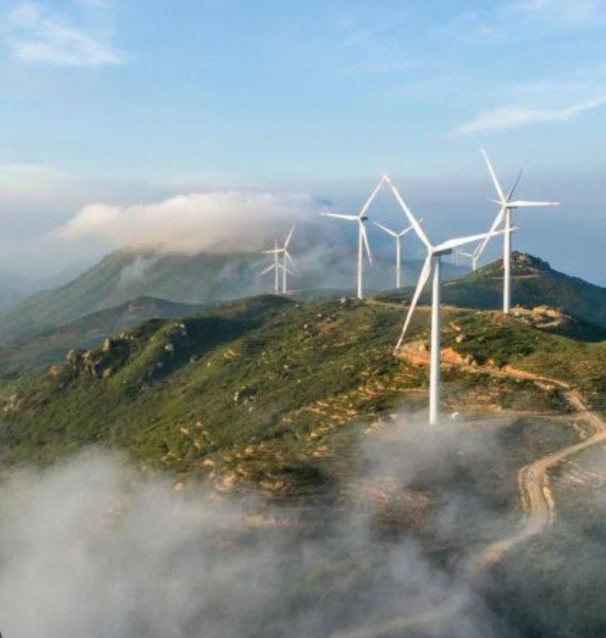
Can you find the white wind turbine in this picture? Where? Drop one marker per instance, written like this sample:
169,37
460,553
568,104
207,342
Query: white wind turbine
460,256
361,218
286,259
275,267
398,238
432,265
504,219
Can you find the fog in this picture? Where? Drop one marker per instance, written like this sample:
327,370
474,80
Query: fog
92,548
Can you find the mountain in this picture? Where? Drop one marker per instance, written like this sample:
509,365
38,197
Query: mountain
200,279
306,404
11,296
534,283
52,345
286,380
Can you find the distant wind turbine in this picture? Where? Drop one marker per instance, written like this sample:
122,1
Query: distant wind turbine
361,218
398,238
460,257
504,219
286,259
432,265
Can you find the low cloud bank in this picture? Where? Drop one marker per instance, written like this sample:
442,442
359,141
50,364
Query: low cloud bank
189,224
89,548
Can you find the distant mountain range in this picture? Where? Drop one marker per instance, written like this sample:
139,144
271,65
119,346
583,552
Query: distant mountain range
201,279
52,345
14,286
42,329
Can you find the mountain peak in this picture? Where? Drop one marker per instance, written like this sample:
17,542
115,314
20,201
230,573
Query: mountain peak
523,262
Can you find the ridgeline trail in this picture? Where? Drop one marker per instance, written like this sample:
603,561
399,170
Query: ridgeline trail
536,500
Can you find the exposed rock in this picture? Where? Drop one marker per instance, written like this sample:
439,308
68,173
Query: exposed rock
244,395
14,404
54,371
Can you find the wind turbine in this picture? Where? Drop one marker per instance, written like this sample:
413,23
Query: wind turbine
432,265
275,266
504,217
361,218
398,238
460,257
286,259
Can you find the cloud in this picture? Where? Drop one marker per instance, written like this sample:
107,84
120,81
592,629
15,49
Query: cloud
98,550
507,117
37,36
191,223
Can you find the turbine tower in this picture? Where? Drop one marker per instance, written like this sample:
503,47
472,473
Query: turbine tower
431,266
286,259
275,267
398,238
361,218
504,220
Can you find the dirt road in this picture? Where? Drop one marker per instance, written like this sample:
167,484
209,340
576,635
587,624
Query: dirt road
536,499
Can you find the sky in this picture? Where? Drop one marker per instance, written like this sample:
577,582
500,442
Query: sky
113,104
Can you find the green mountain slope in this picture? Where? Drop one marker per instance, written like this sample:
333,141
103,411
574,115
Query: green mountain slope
201,279
534,283
52,345
266,390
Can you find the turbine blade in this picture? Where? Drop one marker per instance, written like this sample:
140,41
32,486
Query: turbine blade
425,272
405,231
498,220
462,241
387,230
371,198
526,204
290,259
268,269
515,185
365,240
292,230
351,218
275,251
494,177
411,218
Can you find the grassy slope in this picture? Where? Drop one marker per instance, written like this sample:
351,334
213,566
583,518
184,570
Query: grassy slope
534,284
308,378
52,345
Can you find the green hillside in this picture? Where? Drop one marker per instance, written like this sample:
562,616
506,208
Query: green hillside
265,390
534,283
51,346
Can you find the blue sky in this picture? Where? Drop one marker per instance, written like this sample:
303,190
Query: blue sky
125,101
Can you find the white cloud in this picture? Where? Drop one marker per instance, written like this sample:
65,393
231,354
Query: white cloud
37,36
191,223
507,117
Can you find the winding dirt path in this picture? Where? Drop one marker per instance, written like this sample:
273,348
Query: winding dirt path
536,499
